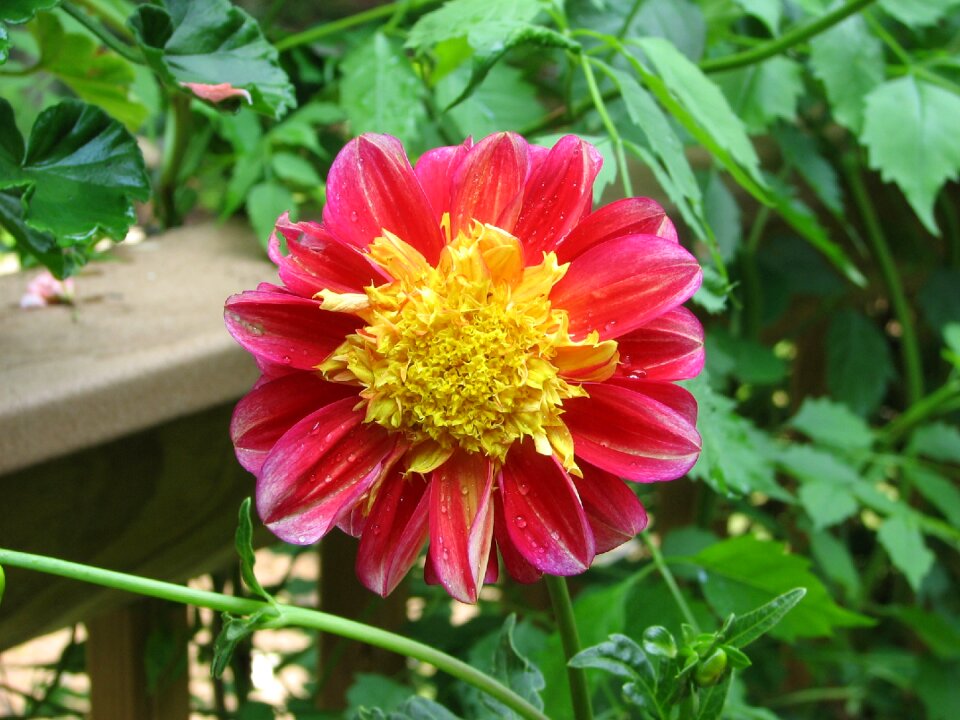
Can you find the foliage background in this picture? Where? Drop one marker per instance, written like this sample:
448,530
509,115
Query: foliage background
807,149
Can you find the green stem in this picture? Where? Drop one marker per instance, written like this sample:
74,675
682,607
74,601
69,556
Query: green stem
608,124
179,120
909,345
793,37
101,32
361,18
920,411
111,16
570,638
671,582
288,616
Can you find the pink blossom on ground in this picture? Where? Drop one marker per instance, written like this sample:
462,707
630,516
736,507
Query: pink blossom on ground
44,289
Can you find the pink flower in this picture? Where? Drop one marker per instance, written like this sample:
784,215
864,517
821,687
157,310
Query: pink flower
462,351
45,290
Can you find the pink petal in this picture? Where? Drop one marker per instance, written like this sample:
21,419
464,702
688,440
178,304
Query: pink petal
517,566
318,261
394,532
630,216
461,523
669,347
217,93
636,435
273,407
558,194
489,183
319,469
286,329
614,512
435,170
544,517
624,283
370,188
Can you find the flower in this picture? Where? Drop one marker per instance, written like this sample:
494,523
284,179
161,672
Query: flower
45,290
462,351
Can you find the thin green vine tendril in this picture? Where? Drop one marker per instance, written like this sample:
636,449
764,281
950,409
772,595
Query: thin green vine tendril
786,41
570,638
671,582
289,616
125,51
608,124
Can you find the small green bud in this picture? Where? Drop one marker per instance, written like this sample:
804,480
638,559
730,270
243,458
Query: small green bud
711,669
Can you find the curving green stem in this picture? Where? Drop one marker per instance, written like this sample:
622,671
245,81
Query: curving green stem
289,616
671,582
608,124
786,41
570,638
118,46
361,18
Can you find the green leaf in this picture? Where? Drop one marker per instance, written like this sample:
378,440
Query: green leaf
243,542
677,21
515,671
936,685
767,11
903,541
801,151
3,583
763,93
859,362
21,11
101,78
701,108
733,458
235,630
4,44
421,708
939,634
622,657
939,298
485,23
744,572
938,490
749,360
832,424
938,441
712,699
827,503
503,101
918,13
380,91
296,170
376,691
849,61
213,42
712,295
746,628
62,262
911,139
722,215
809,464
79,171
659,642
836,561
265,203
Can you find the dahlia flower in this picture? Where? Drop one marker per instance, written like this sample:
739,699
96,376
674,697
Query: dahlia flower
463,352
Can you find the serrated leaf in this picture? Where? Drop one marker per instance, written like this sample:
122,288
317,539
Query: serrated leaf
421,708
859,362
836,561
809,465
763,93
767,11
918,13
503,101
265,203
911,138
485,23
748,627
849,61
832,424
745,572
800,151
369,690
100,78
623,657
903,541
827,503
938,441
21,11
41,246
243,542
938,491
713,293
380,92
698,104
80,171
515,671
213,42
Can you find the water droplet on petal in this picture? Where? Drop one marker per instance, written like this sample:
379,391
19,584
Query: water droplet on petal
521,523
354,217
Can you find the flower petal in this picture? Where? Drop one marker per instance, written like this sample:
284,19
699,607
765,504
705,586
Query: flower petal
557,195
634,434
435,170
273,407
286,329
371,188
669,347
544,516
614,512
624,283
394,532
630,216
461,523
318,261
517,566
488,185
319,469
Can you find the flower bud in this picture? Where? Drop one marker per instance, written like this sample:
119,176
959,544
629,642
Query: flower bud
711,669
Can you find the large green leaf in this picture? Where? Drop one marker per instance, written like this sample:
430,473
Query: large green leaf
917,13
515,671
79,172
380,91
910,132
832,424
903,541
763,93
503,101
485,23
767,11
848,59
859,362
743,573
21,11
101,78
213,42
938,441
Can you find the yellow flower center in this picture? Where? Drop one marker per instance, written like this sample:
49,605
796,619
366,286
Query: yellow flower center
464,354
